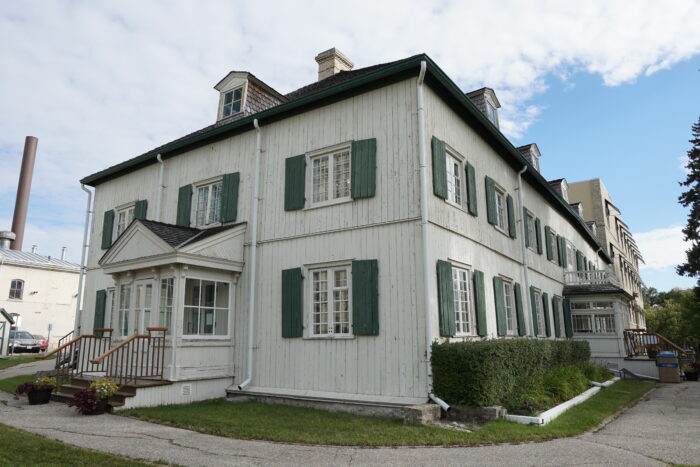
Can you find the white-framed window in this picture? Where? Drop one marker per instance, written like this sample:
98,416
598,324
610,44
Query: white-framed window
593,317
531,234
331,305
143,305
233,102
330,175
454,179
124,309
540,313
465,323
166,303
207,208
124,217
491,113
206,309
509,305
570,256
501,210
16,289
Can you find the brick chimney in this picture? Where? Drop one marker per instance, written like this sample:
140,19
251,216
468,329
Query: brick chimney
332,61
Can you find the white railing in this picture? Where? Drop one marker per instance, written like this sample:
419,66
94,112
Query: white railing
590,278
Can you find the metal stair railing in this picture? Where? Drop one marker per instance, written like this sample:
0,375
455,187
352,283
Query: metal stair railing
138,356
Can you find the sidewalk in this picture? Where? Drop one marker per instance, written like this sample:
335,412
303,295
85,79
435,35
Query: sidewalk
664,427
27,368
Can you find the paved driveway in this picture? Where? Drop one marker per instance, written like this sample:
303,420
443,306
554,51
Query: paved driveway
666,427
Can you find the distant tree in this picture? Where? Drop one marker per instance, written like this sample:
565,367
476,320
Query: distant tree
675,315
691,198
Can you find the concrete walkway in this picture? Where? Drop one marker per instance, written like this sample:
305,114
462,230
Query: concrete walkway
27,368
665,427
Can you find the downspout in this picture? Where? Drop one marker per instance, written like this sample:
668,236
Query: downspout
159,196
86,244
253,257
526,280
424,237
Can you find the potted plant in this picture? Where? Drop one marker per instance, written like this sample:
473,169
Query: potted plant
38,391
652,351
692,371
93,400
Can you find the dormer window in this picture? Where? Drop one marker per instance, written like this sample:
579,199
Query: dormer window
491,113
232,102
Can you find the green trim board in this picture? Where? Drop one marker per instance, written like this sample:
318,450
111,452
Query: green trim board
400,70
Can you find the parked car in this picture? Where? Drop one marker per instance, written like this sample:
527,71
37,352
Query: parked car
22,341
43,341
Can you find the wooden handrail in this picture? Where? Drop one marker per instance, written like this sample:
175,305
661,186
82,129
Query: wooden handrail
42,357
659,336
102,330
157,329
119,346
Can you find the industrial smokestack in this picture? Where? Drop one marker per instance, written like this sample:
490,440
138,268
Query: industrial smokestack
63,253
24,187
34,247
5,240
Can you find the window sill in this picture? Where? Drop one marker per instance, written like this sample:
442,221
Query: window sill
205,338
499,229
316,338
324,204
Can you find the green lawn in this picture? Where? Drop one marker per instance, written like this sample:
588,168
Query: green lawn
22,448
252,420
9,384
19,359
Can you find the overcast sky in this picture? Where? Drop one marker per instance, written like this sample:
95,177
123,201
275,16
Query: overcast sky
99,82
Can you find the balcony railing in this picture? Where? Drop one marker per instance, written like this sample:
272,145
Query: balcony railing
590,278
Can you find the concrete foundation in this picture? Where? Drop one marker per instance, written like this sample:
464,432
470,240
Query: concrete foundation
423,414
479,415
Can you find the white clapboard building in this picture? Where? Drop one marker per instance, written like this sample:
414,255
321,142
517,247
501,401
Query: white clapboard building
311,245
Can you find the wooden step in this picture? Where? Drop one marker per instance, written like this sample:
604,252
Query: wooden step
65,392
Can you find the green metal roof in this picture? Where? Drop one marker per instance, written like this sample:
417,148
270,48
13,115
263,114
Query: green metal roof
391,73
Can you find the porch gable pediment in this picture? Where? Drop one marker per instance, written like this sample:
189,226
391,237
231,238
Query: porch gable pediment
136,242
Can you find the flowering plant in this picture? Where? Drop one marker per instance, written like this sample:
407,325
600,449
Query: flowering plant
691,367
84,400
104,388
42,382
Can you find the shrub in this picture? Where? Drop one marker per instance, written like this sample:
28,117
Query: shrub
491,372
596,373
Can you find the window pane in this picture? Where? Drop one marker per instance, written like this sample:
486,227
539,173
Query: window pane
202,201
236,107
221,322
341,173
508,302
221,295
206,325
208,290
228,97
341,307
320,179
582,323
320,302
192,292
215,204
237,93
227,110
190,320
166,303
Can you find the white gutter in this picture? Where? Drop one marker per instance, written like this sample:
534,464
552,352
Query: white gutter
253,257
424,236
159,195
86,244
523,222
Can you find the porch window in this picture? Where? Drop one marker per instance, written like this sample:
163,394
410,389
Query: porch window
166,303
330,176
208,211
464,310
124,307
593,317
16,289
330,300
206,308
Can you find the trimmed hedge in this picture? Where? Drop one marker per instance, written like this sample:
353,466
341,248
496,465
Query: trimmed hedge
489,372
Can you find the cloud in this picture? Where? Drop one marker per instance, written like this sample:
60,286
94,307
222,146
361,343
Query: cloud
662,248
101,82
50,238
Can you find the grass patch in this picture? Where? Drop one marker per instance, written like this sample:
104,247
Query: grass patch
10,384
19,359
252,420
22,448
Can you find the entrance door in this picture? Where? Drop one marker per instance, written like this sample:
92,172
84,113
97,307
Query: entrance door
143,305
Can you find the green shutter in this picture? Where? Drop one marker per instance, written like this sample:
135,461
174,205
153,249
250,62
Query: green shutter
499,298
439,168
140,209
184,205
294,182
579,261
519,310
491,215
229,197
471,189
100,306
446,302
512,230
525,227
568,325
545,309
538,235
292,293
533,306
107,228
364,168
480,303
365,297
557,318
548,242
562,251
